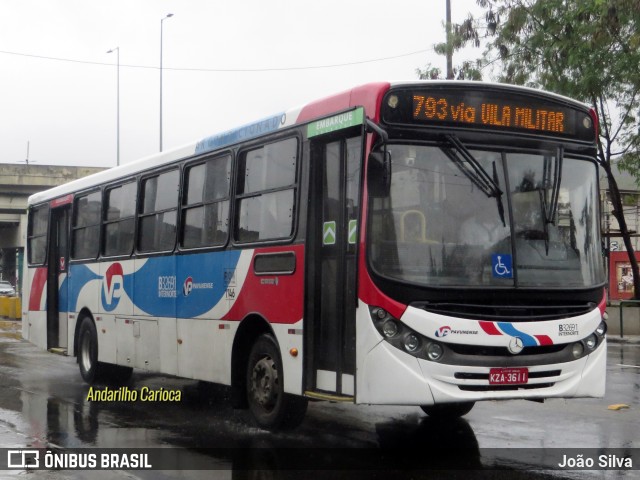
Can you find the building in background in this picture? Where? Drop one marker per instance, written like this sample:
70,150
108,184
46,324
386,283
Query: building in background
619,267
17,182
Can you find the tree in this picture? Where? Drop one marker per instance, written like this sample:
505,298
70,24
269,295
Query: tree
457,36
588,50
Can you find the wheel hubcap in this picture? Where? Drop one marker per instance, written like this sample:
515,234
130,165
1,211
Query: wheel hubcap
264,382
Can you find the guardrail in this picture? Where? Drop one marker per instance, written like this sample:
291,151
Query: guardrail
10,307
622,304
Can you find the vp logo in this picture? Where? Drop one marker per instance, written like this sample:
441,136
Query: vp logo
187,286
112,287
443,331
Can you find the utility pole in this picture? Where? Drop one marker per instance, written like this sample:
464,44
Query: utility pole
117,50
169,15
449,41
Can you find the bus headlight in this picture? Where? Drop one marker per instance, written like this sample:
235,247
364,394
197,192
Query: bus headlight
411,343
577,350
390,329
602,329
591,342
434,351
405,338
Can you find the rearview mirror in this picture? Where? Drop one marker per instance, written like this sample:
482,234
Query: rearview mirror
379,181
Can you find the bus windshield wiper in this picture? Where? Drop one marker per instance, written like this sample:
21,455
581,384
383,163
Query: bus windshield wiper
471,168
551,207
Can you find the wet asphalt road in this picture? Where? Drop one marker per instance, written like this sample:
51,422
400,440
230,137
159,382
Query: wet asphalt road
43,404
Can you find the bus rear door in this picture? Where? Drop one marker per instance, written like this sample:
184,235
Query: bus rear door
57,271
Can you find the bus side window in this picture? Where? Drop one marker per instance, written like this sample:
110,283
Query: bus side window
205,209
37,236
85,239
266,192
158,212
119,216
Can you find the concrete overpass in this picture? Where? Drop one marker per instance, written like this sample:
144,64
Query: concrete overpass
17,182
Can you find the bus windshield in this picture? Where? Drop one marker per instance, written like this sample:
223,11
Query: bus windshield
487,218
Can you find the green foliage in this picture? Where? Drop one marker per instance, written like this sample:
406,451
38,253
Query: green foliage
584,49
461,35
588,50
429,73
465,71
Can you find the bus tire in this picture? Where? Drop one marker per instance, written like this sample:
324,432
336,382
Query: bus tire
271,408
447,411
91,370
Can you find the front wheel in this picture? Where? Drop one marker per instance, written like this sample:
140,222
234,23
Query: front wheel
447,411
270,406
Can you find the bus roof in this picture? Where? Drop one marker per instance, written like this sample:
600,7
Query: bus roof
360,95
368,95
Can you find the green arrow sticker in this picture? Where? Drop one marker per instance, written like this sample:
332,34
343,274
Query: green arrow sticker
329,233
353,231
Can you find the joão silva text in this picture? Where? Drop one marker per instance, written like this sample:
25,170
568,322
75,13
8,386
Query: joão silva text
604,461
125,394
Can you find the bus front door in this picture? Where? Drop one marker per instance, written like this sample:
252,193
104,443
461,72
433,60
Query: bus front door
331,282
57,311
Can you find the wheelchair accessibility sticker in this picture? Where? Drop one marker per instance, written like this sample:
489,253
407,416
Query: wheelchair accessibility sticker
502,266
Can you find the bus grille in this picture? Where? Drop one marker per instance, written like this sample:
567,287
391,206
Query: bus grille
512,313
490,351
502,388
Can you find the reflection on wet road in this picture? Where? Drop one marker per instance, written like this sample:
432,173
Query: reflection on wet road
43,404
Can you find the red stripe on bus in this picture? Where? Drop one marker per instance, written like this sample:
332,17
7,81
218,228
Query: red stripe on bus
490,328
544,339
37,289
277,298
61,201
603,303
367,96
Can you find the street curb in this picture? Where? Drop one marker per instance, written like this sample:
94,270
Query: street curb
629,339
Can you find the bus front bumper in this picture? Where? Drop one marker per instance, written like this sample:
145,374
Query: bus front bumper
389,376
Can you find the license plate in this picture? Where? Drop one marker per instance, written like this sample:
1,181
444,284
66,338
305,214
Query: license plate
508,376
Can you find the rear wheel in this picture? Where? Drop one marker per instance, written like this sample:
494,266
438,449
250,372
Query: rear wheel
269,405
91,369
447,411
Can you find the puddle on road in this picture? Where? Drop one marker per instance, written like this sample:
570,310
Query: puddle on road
10,329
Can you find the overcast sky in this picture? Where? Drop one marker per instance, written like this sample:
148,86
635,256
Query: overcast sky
225,63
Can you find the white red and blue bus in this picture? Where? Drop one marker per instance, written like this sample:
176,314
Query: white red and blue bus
427,243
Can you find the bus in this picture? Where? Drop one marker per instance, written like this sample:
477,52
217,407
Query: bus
428,244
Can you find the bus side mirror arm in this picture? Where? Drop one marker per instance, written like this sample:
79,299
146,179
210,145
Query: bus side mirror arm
379,154
383,136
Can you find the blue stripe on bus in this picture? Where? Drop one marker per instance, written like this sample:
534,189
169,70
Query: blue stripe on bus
182,286
509,329
251,130
79,276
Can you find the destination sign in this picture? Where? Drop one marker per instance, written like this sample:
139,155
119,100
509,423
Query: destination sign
508,110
